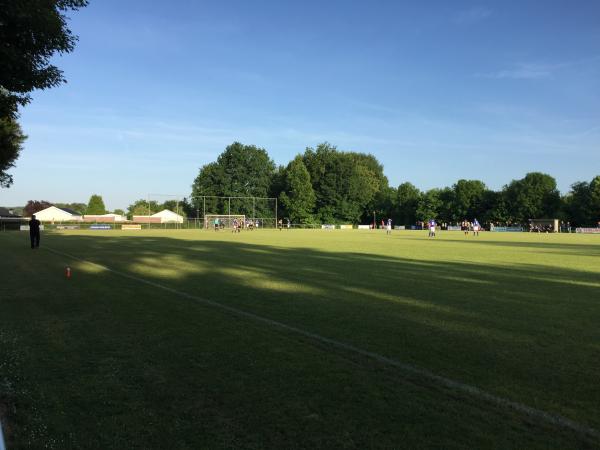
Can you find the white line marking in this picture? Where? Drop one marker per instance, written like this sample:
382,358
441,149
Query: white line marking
550,418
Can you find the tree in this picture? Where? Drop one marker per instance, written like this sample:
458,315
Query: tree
533,197
31,32
466,202
345,183
143,208
429,205
95,205
582,204
595,200
119,212
11,144
34,206
240,171
298,197
407,200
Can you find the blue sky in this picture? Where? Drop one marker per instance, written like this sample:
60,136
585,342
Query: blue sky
436,90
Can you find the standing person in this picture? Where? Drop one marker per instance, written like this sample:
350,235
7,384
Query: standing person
34,232
465,227
432,226
288,223
388,229
217,224
476,227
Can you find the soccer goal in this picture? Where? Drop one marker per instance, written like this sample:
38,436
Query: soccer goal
221,221
256,212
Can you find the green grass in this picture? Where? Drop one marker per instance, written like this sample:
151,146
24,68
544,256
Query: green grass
104,361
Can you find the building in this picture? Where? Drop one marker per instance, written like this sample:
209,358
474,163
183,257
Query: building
104,218
164,216
6,213
55,214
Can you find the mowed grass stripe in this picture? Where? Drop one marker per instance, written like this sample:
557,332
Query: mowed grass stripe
115,364
446,382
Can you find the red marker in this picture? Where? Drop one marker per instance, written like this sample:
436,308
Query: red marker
68,272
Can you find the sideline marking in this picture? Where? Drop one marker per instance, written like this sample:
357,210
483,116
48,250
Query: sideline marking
549,418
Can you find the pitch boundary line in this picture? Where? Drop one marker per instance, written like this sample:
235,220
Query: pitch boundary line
474,391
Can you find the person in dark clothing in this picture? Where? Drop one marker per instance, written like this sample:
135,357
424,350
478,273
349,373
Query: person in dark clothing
34,232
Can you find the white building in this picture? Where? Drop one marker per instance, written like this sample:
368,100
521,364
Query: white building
167,216
55,214
104,218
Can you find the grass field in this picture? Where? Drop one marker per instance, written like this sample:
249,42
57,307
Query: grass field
107,360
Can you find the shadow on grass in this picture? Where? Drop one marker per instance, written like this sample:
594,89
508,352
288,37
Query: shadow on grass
528,333
523,332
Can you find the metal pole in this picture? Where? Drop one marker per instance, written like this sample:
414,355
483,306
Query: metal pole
276,213
229,206
204,211
148,200
374,221
253,208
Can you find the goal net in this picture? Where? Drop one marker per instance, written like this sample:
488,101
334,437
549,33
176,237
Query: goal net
260,211
220,221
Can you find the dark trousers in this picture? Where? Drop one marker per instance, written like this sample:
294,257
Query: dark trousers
35,239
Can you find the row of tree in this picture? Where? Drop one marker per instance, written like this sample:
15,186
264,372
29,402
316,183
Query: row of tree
325,185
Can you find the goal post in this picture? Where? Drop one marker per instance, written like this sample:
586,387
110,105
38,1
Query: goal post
261,211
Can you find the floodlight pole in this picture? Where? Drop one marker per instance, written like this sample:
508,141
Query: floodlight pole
204,211
276,222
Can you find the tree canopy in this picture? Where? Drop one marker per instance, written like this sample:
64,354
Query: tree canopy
11,144
298,197
31,33
34,206
95,205
326,185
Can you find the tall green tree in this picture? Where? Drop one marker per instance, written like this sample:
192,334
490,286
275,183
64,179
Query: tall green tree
582,203
467,200
345,183
429,205
240,171
95,205
11,144
298,196
31,33
407,201
533,197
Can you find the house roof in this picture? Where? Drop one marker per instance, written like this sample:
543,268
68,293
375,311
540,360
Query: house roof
166,212
5,212
70,211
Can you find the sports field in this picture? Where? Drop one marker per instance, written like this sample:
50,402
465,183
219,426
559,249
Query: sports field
354,339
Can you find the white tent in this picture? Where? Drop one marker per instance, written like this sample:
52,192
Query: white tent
54,214
167,216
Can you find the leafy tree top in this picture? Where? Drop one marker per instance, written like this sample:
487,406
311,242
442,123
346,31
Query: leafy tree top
96,205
